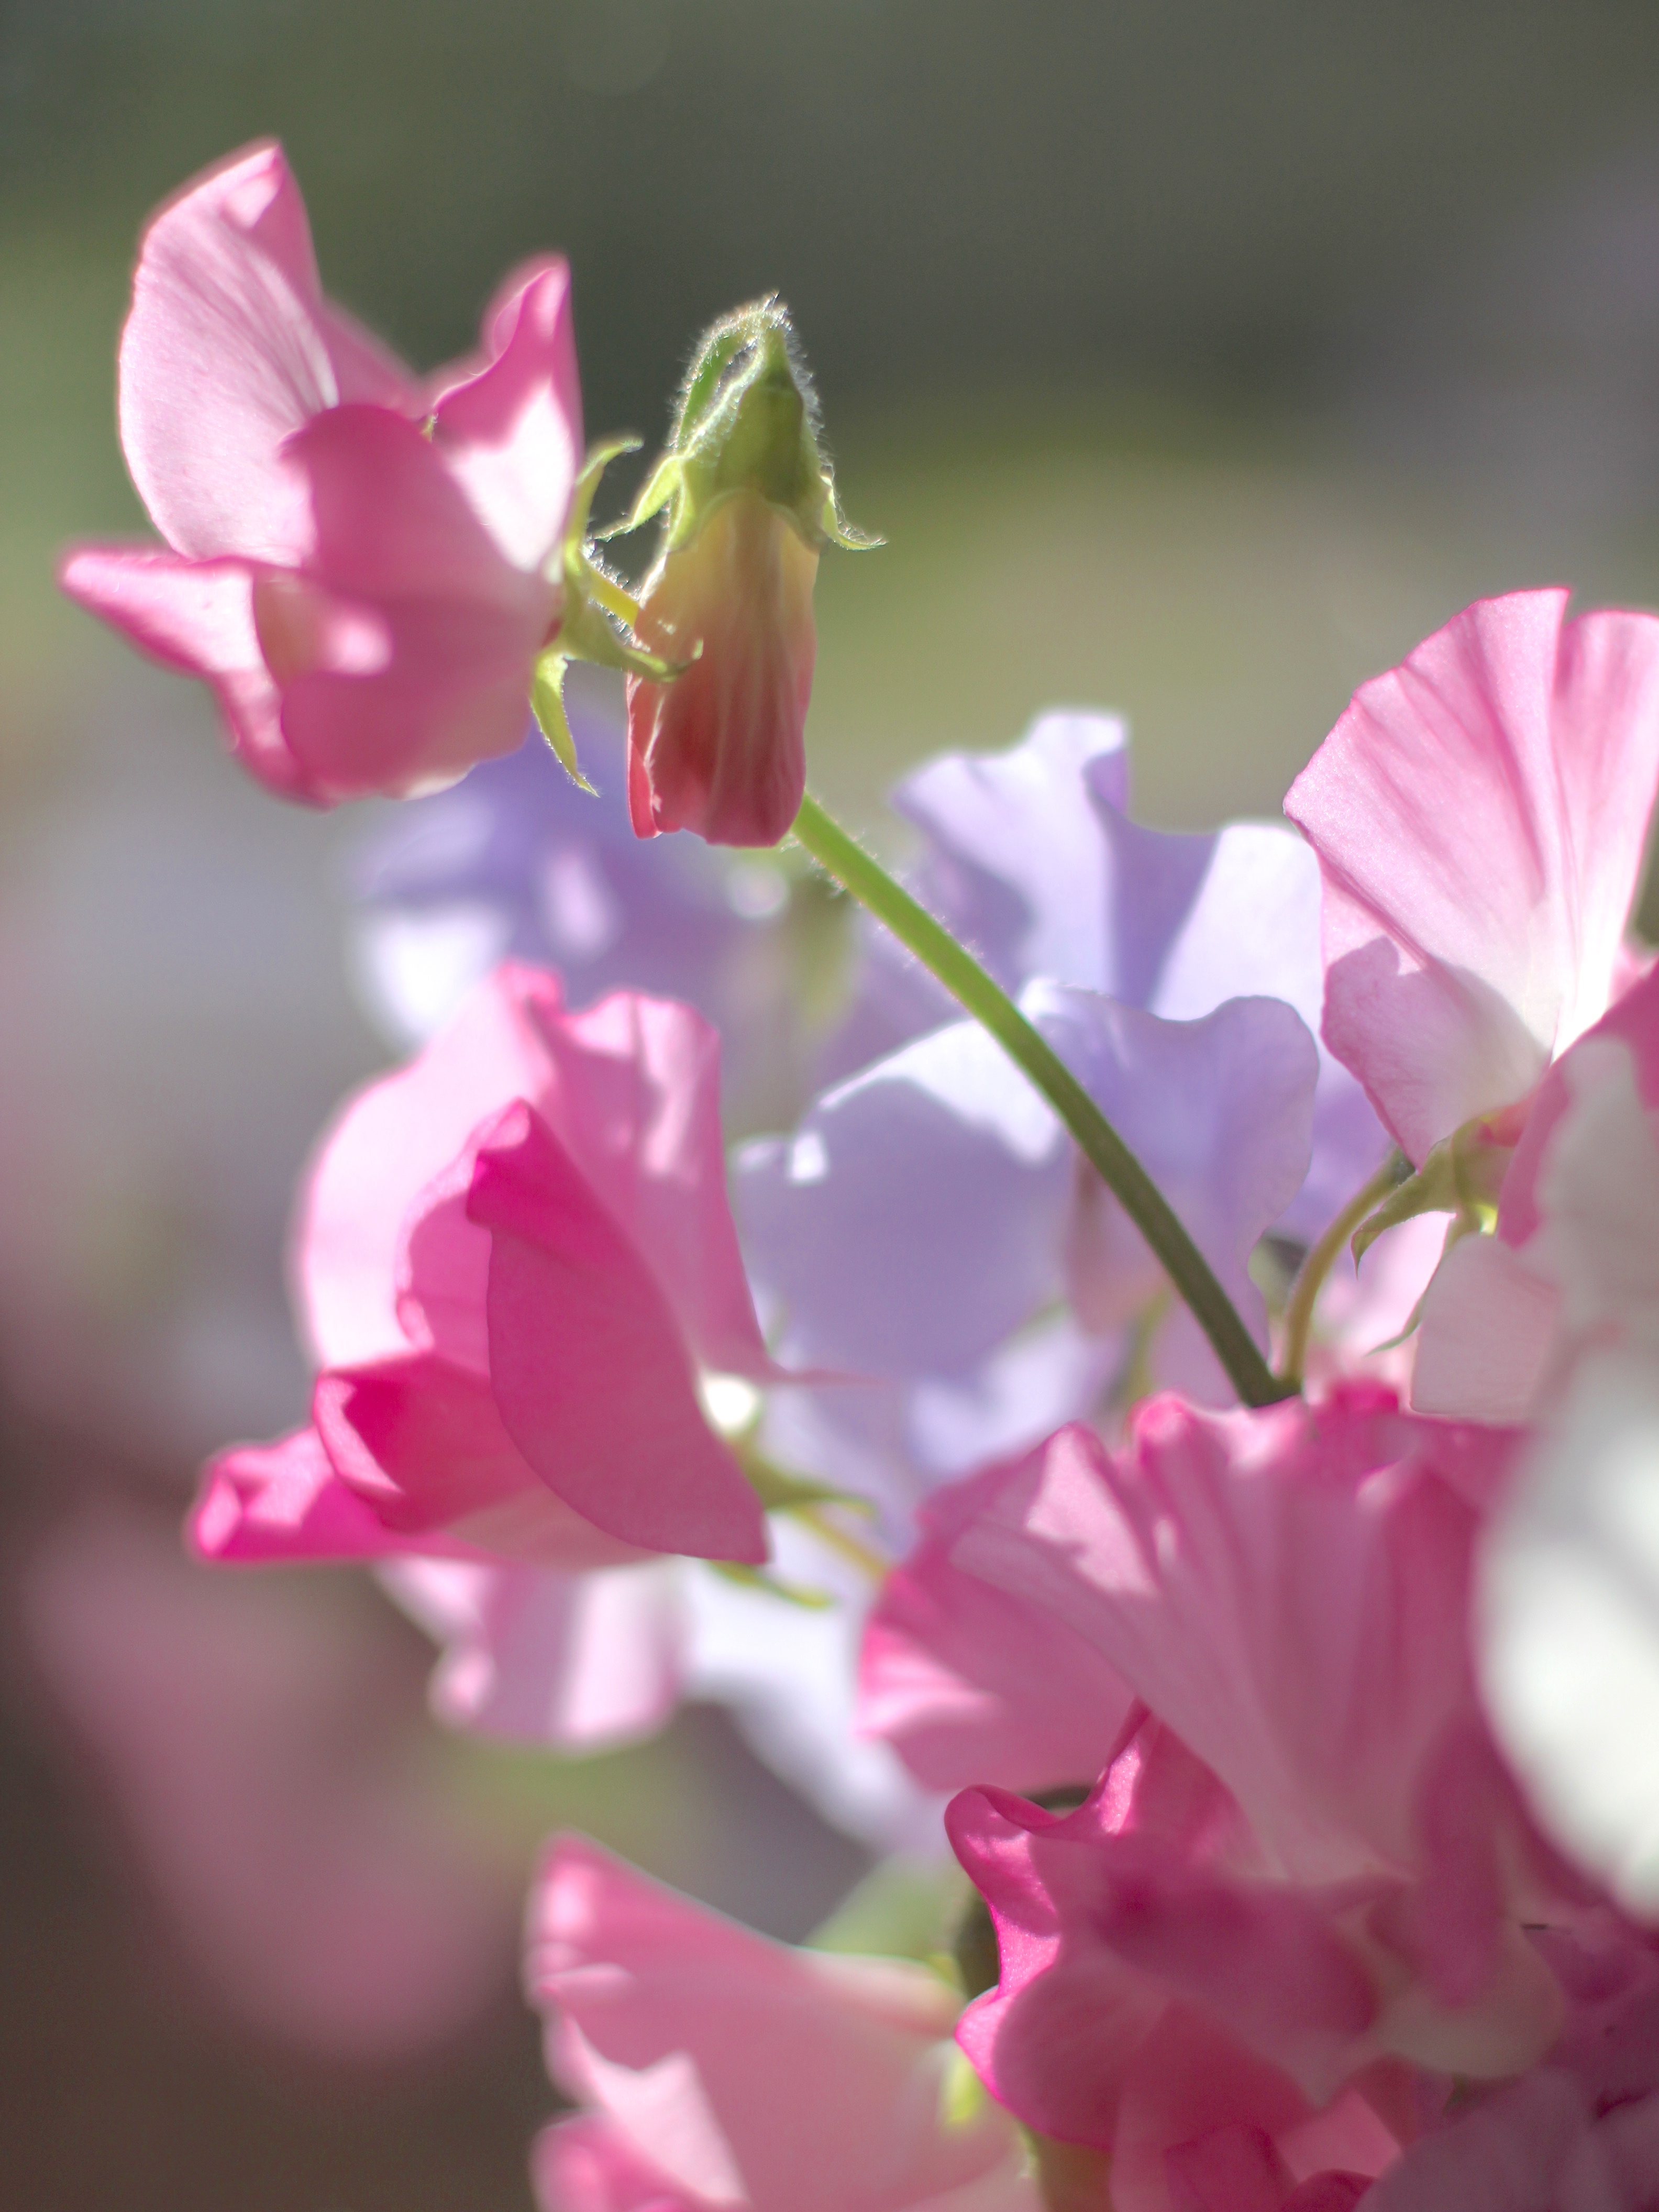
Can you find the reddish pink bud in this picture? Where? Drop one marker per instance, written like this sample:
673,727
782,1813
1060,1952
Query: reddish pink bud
720,748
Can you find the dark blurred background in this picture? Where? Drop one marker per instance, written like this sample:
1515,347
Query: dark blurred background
1196,358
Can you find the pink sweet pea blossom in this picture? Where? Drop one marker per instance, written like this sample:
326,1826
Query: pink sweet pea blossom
1312,1856
1156,2011
725,2070
356,559
720,748
514,1256
1480,814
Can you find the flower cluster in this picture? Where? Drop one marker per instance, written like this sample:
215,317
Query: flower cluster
1258,1644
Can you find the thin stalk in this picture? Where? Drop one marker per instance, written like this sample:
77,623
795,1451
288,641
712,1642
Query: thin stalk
1322,1257
841,856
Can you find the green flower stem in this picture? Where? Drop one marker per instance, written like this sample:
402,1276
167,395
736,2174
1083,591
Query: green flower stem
1322,1257
841,857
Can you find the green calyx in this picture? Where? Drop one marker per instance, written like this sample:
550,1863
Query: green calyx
1461,1176
748,421
596,613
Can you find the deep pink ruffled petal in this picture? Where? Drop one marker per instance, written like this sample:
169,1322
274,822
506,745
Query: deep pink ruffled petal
197,616
967,1683
1480,815
1110,1914
422,1443
512,433
223,357
594,1380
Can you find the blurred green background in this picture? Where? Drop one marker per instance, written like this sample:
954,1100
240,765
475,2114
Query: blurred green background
1195,357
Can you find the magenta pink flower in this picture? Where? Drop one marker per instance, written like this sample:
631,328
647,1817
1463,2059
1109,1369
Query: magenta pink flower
1152,2008
1480,815
725,2070
515,1258
1311,1858
354,560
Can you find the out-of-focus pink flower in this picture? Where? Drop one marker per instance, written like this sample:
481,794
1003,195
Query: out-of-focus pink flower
355,560
971,1684
721,750
514,1255
257,1755
1480,814
724,2069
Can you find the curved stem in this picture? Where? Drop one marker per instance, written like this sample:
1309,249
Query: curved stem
841,856
1310,1275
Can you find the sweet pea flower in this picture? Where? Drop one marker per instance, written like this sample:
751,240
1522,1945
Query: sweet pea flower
721,2069
932,1208
515,1259
1148,2011
1480,815
354,559
1313,1846
1031,857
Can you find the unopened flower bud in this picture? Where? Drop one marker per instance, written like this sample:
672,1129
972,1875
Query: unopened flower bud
719,748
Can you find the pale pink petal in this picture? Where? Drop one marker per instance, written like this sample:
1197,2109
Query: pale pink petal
969,1684
593,1379
782,2081
1480,813
223,357
422,1444
1633,1023
579,1661
589,2164
1488,1323
197,616
513,433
